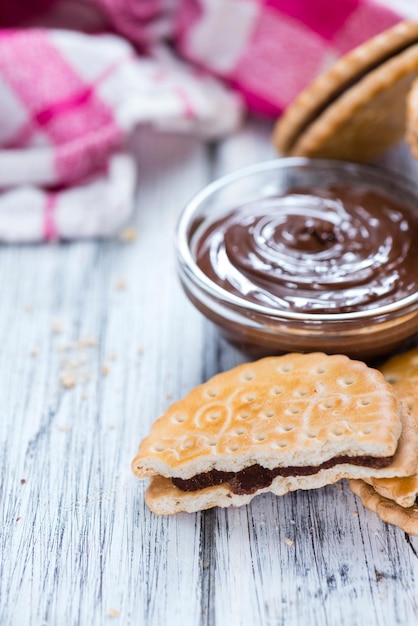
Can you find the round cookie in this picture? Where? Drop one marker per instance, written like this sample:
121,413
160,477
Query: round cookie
357,109
401,371
387,510
412,119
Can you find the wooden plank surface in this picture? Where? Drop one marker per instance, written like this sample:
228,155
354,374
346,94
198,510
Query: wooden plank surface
77,543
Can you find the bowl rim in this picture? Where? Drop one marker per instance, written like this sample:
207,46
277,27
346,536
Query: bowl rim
191,270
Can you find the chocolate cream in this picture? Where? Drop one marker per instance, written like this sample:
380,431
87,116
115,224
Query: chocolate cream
334,250
343,86
251,479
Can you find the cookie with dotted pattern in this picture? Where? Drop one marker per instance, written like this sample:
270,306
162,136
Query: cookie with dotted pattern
356,110
295,412
401,371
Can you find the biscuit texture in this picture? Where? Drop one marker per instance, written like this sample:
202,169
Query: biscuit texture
412,119
387,510
163,498
357,109
292,410
402,372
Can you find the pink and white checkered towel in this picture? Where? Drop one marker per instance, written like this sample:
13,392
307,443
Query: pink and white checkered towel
77,76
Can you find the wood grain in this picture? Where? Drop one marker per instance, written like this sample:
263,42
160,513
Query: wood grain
77,543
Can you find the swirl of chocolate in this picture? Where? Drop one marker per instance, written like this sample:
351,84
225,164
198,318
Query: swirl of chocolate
332,250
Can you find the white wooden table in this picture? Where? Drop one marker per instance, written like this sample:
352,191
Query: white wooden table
96,340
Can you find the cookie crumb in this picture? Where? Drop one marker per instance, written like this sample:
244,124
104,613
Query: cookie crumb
57,327
289,542
18,518
67,380
22,481
128,234
64,429
121,284
105,369
76,362
88,342
113,613
33,352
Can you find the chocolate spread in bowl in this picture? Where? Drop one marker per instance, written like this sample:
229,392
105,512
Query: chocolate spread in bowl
335,250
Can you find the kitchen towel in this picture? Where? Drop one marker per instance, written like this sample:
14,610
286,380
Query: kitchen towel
78,76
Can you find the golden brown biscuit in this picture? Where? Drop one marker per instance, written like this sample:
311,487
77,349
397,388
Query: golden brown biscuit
402,372
412,119
279,424
387,510
357,109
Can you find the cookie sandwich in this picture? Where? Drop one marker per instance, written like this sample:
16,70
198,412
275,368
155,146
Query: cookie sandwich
395,500
357,109
412,119
297,421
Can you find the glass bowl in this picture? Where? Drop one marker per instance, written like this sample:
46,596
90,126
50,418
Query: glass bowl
261,328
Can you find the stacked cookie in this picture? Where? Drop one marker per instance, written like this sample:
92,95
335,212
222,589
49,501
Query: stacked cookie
297,421
360,107
395,500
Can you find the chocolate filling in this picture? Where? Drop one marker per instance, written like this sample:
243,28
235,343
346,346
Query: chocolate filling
255,477
345,86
